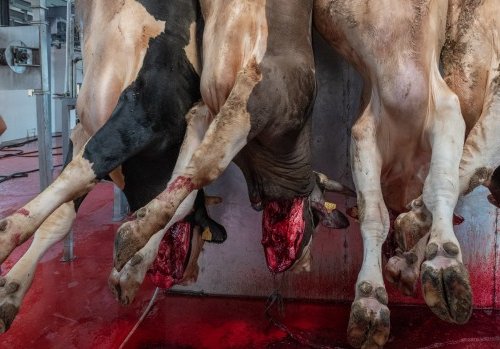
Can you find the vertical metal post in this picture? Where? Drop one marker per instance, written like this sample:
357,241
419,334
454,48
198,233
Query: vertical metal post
120,204
44,119
68,78
67,104
4,12
68,249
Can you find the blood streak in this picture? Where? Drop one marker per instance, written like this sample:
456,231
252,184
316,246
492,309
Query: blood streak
16,239
181,182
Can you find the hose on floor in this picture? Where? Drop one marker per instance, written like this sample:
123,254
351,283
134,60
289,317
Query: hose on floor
141,319
22,174
12,152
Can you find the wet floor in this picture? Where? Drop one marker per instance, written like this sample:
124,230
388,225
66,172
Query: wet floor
69,304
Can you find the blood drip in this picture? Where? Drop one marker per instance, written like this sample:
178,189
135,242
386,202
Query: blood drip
283,227
168,267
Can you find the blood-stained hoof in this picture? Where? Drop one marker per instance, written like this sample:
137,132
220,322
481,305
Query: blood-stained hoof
125,284
9,303
128,242
369,322
445,284
410,227
403,271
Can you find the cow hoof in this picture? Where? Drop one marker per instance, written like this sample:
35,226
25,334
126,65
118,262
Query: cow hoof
127,243
403,271
369,322
410,227
9,303
445,284
124,284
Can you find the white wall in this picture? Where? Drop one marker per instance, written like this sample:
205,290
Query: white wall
19,110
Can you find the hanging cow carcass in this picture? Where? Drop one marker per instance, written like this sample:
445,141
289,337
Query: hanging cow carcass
141,78
408,140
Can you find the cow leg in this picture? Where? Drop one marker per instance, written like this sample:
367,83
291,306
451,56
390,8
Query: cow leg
75,180
125,283
225,137
445,280
403,269
15,284
481,155
369,322
411,226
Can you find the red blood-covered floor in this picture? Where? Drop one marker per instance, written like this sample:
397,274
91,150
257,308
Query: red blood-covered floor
69,305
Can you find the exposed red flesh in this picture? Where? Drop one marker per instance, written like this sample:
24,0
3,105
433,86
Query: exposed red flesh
168,267
457,220
283,227
181,182
23,211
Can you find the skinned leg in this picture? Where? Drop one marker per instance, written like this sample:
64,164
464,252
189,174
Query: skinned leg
15,284
445,280
125,283
225,137
369,322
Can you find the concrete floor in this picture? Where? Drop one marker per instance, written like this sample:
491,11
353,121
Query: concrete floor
70,306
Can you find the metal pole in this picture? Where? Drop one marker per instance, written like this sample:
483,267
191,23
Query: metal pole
4,12
44,119
68,249
67,104
69,54
120,204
